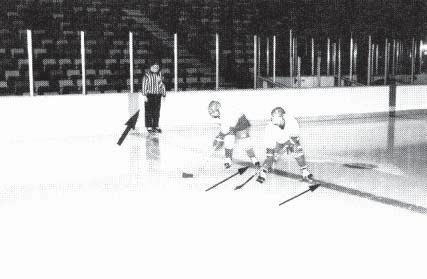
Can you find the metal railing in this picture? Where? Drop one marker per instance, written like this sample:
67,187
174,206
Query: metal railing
264,82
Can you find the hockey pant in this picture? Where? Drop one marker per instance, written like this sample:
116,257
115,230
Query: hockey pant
291,146
244,140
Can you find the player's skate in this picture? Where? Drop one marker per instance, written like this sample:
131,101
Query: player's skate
227,163
255,162
262,176
306,175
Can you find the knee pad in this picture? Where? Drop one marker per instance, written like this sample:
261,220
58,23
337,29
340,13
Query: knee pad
298,151
229,141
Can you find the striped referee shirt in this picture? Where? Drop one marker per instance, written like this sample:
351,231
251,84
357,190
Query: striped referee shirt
152,84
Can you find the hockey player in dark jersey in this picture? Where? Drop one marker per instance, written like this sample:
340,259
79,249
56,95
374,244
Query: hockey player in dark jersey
234,127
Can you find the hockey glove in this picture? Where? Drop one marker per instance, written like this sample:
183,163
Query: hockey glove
218,142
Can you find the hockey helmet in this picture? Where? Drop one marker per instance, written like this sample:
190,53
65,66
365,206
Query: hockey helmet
213,109
277,116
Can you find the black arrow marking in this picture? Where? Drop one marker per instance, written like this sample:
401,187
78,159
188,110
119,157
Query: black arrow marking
239,171
312,188
350,191
130,125
246,182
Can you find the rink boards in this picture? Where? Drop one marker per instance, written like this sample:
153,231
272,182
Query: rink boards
105,114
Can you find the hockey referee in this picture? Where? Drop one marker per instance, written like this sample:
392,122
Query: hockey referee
153,89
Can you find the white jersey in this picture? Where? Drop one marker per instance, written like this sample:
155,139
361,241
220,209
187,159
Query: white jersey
232,120
276,135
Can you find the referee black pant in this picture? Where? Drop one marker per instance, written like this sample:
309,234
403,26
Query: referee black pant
152,110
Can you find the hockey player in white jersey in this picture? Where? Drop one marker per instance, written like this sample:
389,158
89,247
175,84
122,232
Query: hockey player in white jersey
282,135
234,126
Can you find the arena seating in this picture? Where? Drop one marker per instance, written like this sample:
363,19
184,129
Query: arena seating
56,27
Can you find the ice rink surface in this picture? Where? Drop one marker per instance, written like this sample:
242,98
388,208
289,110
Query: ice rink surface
84,207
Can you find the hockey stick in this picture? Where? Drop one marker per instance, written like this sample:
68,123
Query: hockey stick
246,182
249,179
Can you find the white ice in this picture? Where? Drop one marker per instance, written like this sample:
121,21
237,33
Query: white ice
84,207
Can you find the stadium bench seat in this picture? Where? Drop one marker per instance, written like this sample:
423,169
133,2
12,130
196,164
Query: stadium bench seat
49,64
137,72
39,32
66,86
142,52
47,42
91,42
41,87
62,44
115,53
110,62
105,73
118,43
77,63
135,83
166,71
22,63
100,85
39,52
56,74
64,63
3,88
124,61
11,74
90,73
108,34
17,52
139,62
73,74
79,84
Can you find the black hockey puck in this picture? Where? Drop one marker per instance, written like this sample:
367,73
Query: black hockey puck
187,175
